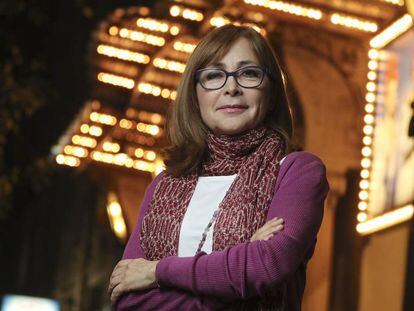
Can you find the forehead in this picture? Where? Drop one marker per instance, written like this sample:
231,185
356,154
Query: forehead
239,53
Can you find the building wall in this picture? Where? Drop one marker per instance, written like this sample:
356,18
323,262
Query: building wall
383,270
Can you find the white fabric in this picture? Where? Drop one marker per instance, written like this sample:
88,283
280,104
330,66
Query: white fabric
208,193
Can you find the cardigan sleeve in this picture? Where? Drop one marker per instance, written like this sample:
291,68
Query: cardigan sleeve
157,298
248,269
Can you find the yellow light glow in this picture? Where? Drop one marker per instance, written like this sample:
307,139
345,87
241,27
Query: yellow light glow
84,141
219,21
370,97
372,75
148,128
158,26
395,2
369,119
365,173
373,65
113,31
114,209
367,140
84,128
393,31
363,195
353,22
153,24
174,30
368,129
141,37
169,65
156,118
373,54
111,147
103,118
155,90
95,130
71,161
184,47
364,184
116,219
123,54
120,159
126,124
362,216
139,152
289,8
366,151
387,220
365,163
119,227
76,151
141,127
369,108
362,206
116,80
150,155
175,10
186,13
371,86
144,166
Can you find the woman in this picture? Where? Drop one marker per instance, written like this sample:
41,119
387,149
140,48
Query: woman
202,241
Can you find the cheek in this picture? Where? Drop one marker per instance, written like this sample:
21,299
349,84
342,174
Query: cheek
203,103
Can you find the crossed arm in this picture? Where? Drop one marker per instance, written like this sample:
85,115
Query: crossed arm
246,269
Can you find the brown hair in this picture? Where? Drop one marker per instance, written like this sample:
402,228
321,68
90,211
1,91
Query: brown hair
186,130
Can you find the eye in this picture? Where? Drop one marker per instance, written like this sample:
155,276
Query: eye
250,73
212,74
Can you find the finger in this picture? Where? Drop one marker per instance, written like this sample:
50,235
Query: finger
114,282
271,226
276,220
117,273
276,228
271,230
117,291
273,222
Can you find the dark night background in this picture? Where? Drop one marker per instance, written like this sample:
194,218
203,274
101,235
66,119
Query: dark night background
55,240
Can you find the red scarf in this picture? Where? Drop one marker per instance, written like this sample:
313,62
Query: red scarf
254,156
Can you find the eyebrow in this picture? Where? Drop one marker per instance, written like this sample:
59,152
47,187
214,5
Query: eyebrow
239,64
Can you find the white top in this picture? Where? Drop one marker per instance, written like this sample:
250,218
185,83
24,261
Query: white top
208,194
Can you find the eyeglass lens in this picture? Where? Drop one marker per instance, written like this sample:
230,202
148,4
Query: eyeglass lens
246,77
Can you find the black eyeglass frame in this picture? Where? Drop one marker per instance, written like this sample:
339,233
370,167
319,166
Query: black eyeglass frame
233,74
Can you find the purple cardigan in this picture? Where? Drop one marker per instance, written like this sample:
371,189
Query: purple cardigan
212,281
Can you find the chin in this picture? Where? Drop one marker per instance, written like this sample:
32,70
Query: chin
231,130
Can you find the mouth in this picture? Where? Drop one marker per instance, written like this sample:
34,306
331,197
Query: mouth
233,108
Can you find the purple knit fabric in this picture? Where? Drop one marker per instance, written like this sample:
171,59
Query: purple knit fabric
214,281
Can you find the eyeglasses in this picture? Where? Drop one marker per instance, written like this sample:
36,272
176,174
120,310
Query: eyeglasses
215,78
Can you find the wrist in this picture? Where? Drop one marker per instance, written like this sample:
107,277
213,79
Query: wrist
154,278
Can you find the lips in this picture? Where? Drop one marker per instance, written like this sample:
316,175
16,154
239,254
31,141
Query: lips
232,107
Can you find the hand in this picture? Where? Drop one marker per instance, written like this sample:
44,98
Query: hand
268,230
130,275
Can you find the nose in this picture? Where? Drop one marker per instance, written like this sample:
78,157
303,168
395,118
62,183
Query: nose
231,86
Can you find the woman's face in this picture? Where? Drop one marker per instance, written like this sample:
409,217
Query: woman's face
248,104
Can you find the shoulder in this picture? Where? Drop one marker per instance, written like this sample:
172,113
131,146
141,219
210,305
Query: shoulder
151,187
302,165
297,159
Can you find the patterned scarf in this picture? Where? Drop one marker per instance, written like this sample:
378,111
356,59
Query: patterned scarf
254,156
